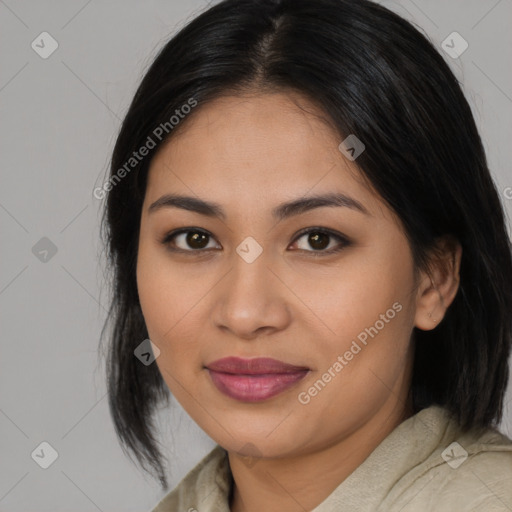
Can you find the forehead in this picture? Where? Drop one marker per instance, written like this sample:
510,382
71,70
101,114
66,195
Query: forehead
258,147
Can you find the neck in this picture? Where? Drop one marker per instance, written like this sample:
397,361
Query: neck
303,481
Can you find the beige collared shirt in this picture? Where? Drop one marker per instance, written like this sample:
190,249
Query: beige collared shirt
425,464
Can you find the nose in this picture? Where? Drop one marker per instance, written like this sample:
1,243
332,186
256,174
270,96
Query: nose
251,300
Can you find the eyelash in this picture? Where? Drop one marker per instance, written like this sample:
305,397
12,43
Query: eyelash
344,242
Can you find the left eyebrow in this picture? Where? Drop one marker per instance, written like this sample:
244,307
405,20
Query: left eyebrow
305,204
281,212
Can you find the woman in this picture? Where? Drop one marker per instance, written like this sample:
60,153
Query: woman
301,219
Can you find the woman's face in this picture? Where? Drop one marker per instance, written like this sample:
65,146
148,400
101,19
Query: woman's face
248,284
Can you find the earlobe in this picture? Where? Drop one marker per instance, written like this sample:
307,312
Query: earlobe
439,286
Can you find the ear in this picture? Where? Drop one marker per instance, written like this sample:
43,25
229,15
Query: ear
439,285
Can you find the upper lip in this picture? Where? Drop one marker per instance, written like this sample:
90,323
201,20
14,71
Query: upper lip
254,366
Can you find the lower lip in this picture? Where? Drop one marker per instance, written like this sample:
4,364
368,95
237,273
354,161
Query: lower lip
254,388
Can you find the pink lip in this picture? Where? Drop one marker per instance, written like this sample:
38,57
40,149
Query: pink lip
254,380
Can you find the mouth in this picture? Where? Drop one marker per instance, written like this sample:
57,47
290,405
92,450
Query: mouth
254,380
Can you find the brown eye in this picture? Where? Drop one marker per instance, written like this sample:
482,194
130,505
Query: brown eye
319,241
196,240
188,240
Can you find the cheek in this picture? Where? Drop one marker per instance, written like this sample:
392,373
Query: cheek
365,316
351,297
166,295
360,366
174,300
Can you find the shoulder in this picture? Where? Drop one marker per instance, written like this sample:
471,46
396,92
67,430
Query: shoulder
470,472
477,474
204,488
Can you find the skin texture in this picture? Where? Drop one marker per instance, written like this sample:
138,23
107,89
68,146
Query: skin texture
249,154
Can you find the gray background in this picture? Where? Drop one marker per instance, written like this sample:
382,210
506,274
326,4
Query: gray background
59,119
